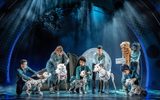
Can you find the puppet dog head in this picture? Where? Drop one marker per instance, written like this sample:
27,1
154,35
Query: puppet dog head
83,73
61,69
125,44
97,68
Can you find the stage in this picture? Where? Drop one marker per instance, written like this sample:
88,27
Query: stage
9,93
45,41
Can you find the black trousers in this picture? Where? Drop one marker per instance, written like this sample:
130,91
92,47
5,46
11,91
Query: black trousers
93,78
19,86
94,81
100,87
100,82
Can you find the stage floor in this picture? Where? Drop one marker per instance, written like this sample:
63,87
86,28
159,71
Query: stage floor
9,93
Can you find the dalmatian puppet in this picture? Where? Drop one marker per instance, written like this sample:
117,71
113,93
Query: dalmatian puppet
61,72
36,83
104,75
135,89
79,84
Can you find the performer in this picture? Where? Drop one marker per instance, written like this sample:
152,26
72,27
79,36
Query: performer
99,58
58,56
128,74
135,57
82,67
22,75
131,82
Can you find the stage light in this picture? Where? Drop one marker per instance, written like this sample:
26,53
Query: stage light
22,15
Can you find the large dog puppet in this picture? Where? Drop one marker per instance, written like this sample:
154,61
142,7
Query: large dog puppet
36,83
104,75
61,72
126,51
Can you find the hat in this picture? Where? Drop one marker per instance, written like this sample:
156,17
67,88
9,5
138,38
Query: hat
99,47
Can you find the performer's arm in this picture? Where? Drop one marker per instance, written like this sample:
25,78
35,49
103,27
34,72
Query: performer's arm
136,77
88,70
139,55
52,59
48,66
20,73
124,80
102,62
77,73
31,70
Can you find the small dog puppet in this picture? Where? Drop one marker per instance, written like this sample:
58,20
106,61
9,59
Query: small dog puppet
135,89
79,84
36,83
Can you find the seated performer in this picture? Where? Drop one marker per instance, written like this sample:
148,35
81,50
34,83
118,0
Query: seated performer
21,74
82,67
58,56
99,58
131,81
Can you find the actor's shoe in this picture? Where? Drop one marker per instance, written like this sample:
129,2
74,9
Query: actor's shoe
51,91
101,92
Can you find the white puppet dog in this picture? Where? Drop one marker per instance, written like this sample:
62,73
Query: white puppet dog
104,75
135,89
37,83
61,72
